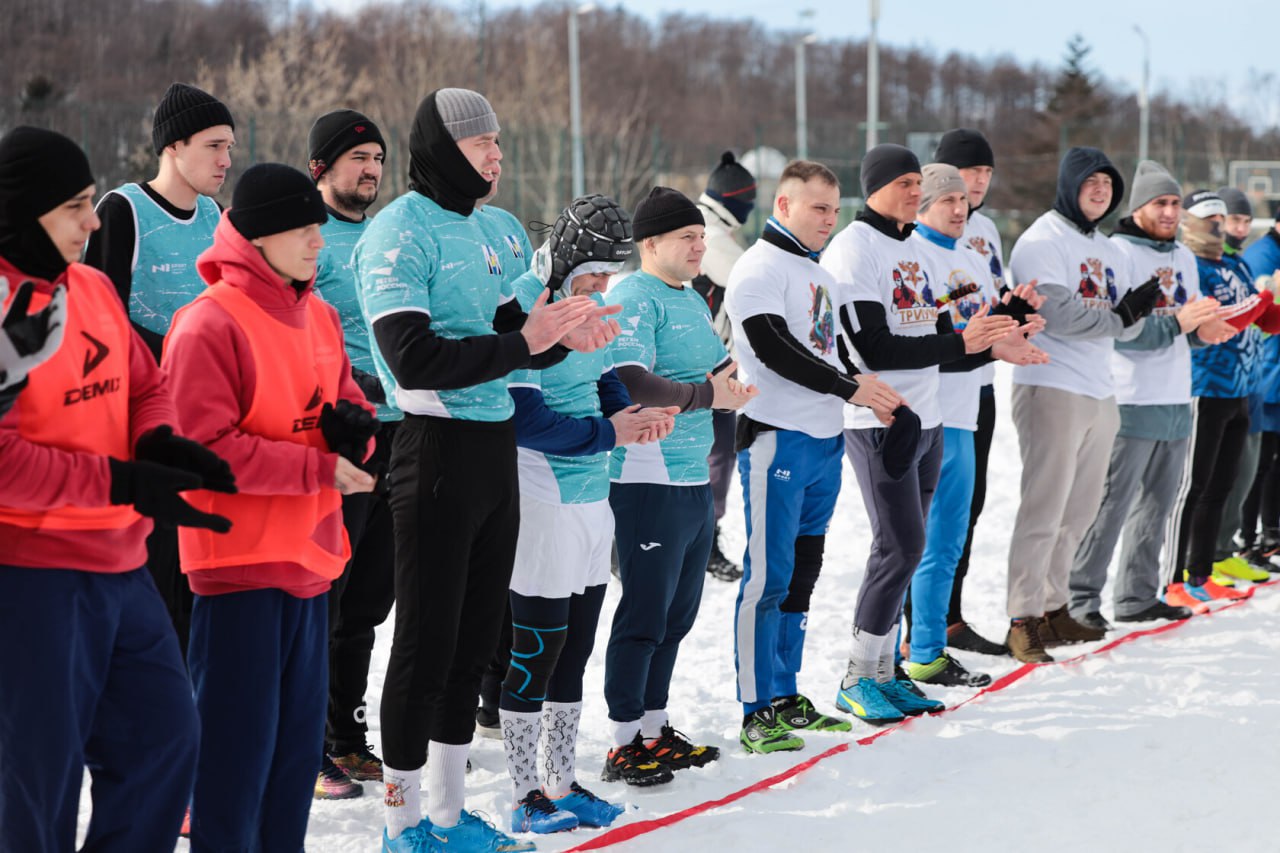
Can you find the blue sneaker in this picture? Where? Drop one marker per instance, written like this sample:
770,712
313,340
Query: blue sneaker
865,701
474,834
590,809
908,701
415,839
536,813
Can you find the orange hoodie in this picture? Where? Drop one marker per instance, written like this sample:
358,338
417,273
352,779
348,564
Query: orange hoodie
213,376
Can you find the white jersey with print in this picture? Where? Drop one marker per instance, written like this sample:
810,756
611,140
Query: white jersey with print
871,267
982,236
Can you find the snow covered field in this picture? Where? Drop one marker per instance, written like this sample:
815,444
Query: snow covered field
1166,743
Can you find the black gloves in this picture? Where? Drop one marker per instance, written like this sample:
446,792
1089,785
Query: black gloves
153,491
347,428
26,340
1139,302
370,386
162,447
1017,308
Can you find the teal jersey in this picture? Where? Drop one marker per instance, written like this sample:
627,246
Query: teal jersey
568,388
336,282
416,256
667,331
508,239
164,257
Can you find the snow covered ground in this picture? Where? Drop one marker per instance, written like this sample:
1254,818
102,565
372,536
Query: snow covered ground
1165,743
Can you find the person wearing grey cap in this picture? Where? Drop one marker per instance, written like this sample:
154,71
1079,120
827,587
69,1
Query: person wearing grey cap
889,316
1153,392
447,331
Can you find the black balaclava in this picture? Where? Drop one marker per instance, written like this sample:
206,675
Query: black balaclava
39,170
1077,165
437,167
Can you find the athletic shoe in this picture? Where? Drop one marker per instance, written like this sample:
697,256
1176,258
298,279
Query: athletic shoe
763,731
589,809
865,701
1059,629
908,701
360,764
634,764
1094,619
1235,567
1219,578
947,671
488,724
901,674
1158,610
797,713
333,783
962,636
719,566
185,831
474,833
1256,557
415,839
674,750
536,813
1024,640
1181,595
1218,592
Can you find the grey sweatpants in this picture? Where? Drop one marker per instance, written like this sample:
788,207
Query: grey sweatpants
1231,514
1065,442
1141,486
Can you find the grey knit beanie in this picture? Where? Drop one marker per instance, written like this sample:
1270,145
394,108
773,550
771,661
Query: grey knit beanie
465,113
939,179
1237,203
1150,181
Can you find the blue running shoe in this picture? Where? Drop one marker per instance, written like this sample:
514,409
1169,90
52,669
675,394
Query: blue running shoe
415,839
1199,593
865,701
536,813
906,700
590,809
474,834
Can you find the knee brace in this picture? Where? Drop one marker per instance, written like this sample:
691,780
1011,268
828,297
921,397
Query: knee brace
804,576
534,652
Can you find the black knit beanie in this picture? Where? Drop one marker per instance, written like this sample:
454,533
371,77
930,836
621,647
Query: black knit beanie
183,111
884,164
964,148
1237,202
733,186
336,133
39,170
272,197
664,210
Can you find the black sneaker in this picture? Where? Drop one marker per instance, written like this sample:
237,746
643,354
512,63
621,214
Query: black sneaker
947,671
719,566
488,724
1095,620
1159,610
634,764
961,636
675,750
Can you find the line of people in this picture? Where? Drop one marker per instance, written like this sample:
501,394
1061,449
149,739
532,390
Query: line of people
419,408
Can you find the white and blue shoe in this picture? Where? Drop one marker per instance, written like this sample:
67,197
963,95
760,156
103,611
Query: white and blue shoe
415,839
474,834
864,700
589,809
536,813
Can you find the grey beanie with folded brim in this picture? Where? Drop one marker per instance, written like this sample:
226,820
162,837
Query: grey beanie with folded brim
1150,181
465,113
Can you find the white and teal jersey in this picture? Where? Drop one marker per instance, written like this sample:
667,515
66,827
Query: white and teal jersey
164,257
336,282
508,239
568,388
667,331
416,256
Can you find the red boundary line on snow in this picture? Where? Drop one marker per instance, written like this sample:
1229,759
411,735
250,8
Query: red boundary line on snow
634,830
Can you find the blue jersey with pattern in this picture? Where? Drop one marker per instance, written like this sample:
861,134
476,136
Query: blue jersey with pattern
416,256
164,269
667,331
1227,369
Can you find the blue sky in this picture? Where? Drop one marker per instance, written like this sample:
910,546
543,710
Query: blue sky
1200,48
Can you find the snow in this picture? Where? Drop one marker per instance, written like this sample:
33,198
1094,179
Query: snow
1163,743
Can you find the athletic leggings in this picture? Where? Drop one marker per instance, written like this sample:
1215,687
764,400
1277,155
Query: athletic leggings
1263,500
1219,426
552,640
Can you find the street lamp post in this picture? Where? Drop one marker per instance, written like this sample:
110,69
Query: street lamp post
802,109
575,100
873,79
1144,96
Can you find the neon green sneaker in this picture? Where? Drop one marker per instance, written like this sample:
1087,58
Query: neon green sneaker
1239,568
798,714
763,732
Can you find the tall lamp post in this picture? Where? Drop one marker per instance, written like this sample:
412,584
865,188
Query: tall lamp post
575,100
802,109
1144,96
873,79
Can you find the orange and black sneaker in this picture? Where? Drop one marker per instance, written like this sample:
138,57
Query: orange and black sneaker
634,764
674,750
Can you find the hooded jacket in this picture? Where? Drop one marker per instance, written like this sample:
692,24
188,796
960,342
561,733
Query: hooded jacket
208,358
723,251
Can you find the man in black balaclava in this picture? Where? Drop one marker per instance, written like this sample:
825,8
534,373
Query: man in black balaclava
447,331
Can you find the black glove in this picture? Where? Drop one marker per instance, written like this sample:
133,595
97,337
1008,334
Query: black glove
1017,308
161,446
369,386
1139,302
153,491
347,429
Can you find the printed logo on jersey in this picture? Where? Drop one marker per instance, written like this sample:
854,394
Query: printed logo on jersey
963,293
95,356
491,258
1230,289
822,328
986,250
1097,285
1172,294
513,243
171,268
913,295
